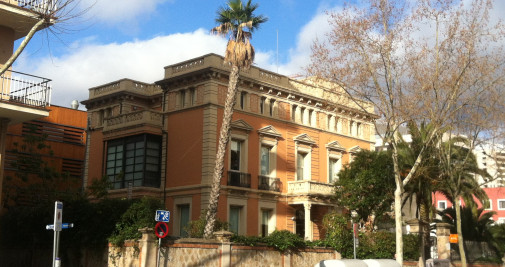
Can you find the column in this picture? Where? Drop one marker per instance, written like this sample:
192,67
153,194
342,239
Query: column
308,222
298,114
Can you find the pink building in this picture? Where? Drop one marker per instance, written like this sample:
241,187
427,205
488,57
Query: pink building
496,200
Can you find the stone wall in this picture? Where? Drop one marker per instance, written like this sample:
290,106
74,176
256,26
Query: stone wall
200,252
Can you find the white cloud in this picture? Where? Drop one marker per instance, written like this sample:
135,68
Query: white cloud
119,11
88,65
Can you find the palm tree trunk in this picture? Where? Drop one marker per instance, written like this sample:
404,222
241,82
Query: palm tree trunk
425,235
459,231
224,137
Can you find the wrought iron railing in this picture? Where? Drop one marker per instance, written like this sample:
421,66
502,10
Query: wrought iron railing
269,183
26,89
240,179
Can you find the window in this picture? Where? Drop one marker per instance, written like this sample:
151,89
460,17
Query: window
303,116
234,218
135,160
271,111
489,205
310,121
262,104
243,96
266,216
183,98
235,155
334,167
501,204
183,214
265,160
192,96
442,204
293,112
301,159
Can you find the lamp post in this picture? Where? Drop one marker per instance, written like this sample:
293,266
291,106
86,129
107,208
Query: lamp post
354,215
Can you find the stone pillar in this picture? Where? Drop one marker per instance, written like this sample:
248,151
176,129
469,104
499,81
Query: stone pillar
148,249
3,135
224,238
443,244
331,125
308,223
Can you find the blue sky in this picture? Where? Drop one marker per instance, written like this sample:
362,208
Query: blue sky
136,39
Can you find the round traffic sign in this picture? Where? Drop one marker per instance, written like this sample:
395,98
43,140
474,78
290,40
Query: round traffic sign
161,229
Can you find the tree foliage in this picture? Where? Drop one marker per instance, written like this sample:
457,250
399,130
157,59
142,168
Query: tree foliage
434,60
366,185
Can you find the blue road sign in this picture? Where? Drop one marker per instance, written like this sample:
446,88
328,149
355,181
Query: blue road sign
162,216
63,226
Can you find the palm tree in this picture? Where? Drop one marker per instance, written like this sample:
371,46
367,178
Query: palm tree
459,169
236,21
421,187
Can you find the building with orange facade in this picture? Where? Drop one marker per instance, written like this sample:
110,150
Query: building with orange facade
23,97
56,142
289,139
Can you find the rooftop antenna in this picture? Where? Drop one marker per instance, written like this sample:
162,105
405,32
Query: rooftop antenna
277,54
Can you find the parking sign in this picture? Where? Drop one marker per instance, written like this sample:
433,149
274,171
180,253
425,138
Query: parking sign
162,216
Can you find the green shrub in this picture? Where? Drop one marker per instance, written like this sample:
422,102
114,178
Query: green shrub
196,228
284,240
338,234
411,245
139,215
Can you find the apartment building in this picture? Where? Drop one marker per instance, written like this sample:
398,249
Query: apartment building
23,97
289,140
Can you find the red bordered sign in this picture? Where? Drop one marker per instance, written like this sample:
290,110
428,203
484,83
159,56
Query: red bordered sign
161,229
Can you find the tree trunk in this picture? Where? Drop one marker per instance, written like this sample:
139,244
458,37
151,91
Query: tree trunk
425,224
398,206
224,137
22,46
459,231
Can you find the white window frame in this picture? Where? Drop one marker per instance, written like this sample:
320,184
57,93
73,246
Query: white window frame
175,218
498,204
306,163
272,223
490,205
440,202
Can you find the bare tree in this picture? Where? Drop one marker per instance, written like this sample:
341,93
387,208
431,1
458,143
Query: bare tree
48,14
433,60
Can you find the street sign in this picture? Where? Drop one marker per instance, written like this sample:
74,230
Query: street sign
63,226
161,229
453,238
58,215
162,216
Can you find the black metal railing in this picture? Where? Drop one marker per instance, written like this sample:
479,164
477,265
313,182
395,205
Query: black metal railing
26,89
269,183
240,179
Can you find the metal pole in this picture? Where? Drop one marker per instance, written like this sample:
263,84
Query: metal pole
354,237
54,248
159,252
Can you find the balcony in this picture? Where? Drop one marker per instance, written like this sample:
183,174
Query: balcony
23,97
143,117
305,187
239,179
25,89
22,15
269,183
